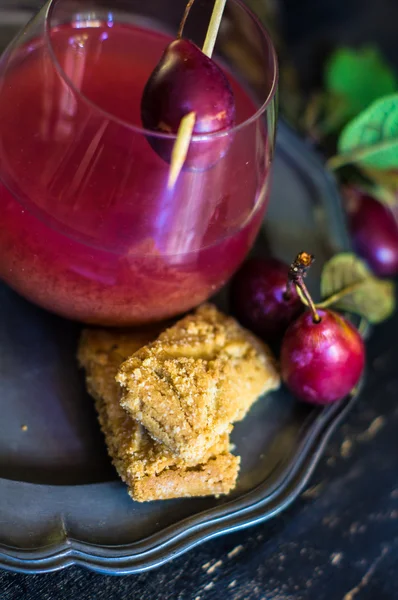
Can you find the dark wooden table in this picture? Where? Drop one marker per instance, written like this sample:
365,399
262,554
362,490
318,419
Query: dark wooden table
339,541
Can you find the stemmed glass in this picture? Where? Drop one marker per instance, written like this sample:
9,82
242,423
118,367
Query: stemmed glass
89,228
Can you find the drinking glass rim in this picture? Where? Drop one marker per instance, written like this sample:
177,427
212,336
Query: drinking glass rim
157,134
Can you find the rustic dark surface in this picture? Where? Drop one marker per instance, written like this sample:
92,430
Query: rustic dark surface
340,539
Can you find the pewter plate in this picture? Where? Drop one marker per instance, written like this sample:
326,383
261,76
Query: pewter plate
60,500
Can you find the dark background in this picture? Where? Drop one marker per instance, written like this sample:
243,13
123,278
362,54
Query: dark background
339,541
309,24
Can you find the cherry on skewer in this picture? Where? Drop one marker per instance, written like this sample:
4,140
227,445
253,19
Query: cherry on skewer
322,354
188,94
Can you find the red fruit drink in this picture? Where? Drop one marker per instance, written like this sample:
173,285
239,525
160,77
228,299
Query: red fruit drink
88,227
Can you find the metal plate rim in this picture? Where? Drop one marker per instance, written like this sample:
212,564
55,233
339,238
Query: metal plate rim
73,552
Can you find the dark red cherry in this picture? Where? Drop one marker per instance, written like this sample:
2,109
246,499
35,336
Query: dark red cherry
185,81
374,231
258,297
322,362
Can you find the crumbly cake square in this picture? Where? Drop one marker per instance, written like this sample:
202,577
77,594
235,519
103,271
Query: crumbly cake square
149,469
195,379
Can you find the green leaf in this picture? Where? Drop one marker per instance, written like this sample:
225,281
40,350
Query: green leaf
356,78
371,139
349,285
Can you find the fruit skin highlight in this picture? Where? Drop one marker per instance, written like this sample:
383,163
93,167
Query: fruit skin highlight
186,81
374,231
259,298
322,362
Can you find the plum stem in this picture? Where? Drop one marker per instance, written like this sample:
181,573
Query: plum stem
184,18
181,147
304,290
298,270
213,28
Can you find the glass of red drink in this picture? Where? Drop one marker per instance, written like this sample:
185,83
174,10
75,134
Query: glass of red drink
89,228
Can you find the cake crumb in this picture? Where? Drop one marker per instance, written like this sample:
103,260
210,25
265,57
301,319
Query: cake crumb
24,427
336,558
214,567
372,430
235,551
346,448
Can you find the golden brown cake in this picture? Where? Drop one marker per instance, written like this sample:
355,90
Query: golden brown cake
196,379
149,469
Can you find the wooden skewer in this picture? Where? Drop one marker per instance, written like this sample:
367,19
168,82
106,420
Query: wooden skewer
184,134
214,26
181,147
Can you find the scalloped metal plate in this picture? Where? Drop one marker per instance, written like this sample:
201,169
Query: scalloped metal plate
151,553
60,500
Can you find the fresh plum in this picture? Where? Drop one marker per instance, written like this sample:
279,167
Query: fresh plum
321,362
259,299
374,231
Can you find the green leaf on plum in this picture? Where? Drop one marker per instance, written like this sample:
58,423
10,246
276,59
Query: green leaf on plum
371,139
349,285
